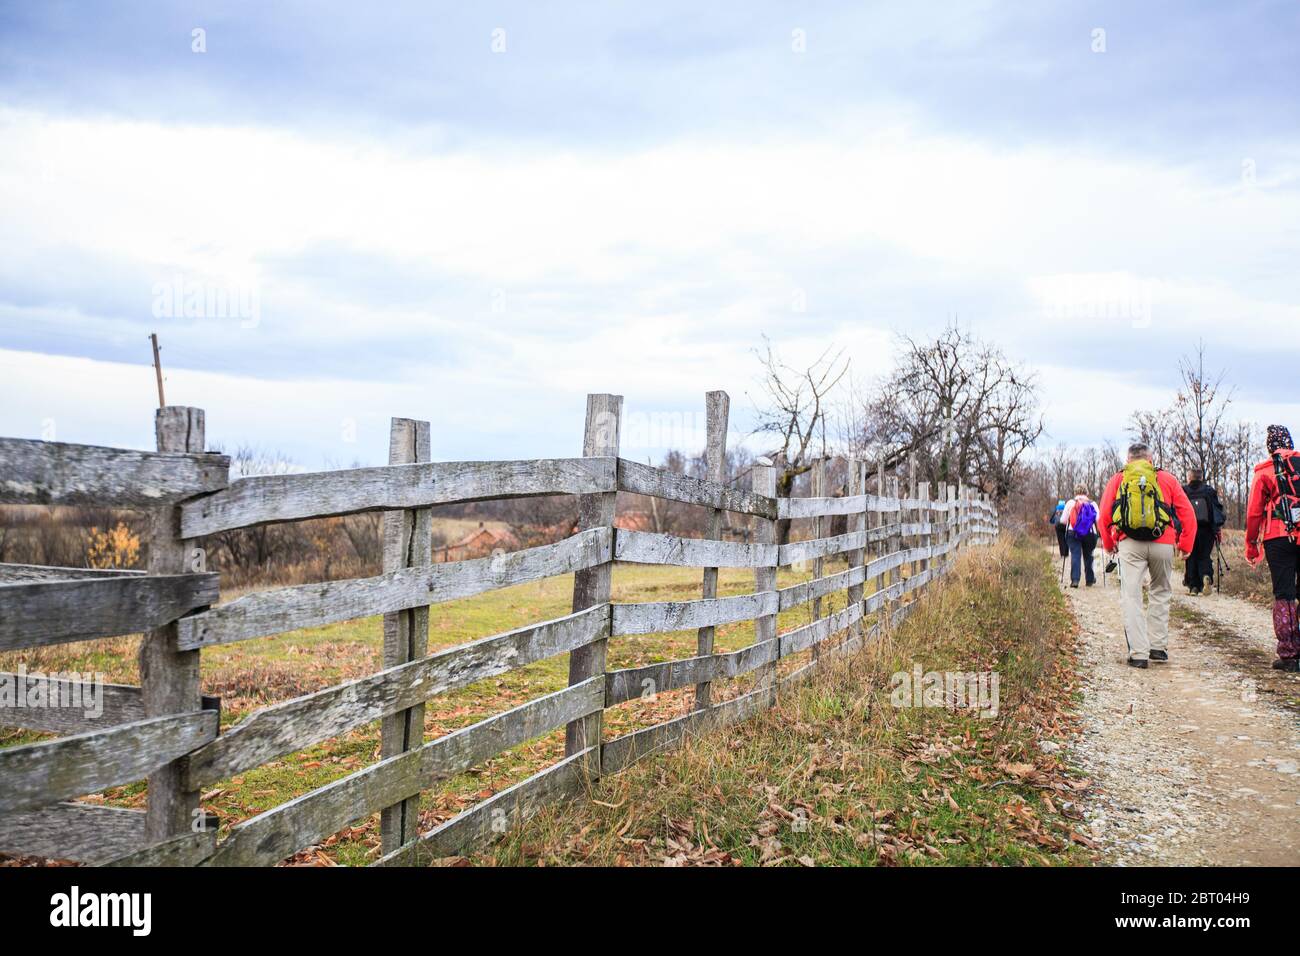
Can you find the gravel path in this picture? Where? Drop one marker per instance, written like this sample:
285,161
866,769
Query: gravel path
1193,762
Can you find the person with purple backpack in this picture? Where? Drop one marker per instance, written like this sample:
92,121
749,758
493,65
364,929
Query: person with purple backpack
1080,520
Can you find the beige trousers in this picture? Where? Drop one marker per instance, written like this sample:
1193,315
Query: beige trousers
1145,629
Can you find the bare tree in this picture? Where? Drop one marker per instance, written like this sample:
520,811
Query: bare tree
960,408
793,410
1199,414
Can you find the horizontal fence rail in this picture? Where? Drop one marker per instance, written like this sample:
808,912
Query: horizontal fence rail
890,541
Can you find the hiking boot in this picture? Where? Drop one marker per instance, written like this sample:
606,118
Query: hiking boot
1291,664
1074,584
1161,656
1134,662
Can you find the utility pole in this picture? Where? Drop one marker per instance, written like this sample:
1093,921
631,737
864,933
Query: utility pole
157,368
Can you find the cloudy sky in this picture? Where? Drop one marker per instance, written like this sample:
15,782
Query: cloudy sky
476,213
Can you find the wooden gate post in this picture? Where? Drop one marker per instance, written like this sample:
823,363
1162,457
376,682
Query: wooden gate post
763,477
170,678
408,543
717,407
591,587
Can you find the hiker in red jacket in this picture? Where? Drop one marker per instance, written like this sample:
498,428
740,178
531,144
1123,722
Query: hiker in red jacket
1144,527
1265,518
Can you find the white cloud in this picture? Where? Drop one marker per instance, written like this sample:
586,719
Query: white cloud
677,256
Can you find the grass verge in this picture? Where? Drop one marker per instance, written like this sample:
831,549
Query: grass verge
837,775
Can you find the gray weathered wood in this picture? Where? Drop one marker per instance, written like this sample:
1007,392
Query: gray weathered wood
655,616
881,502
263,499
184,849
496,815
642,479
36,775
763,479
634,682
810,635
57,473
644,547
408,543
820,548
802,593
40,613
591,586
311,605
857,524
169,676
22,573
622,752
82,832
717,411
62,704
821,528
817,506
282,728
310,818
885,596
894,544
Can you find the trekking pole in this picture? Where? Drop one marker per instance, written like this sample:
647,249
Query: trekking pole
1223,567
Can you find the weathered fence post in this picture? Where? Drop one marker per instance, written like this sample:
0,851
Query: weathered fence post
925,539
882,544
408,543
817,489
910,515
857,522
951,541
717,406
591,586
895,544
170,678
763,477
962,543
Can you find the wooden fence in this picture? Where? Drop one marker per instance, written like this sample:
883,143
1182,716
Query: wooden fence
897,539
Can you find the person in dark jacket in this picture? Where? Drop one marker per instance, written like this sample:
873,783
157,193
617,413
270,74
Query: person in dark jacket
1056,520
1265,522
1199,573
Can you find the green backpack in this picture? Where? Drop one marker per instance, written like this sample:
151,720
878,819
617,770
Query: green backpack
1140,510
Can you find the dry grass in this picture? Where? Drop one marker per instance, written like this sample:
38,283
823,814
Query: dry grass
836,775
1242,580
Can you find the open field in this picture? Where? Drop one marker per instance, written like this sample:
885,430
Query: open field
251,674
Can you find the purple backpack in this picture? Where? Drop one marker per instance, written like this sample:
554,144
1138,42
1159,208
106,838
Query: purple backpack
1086,519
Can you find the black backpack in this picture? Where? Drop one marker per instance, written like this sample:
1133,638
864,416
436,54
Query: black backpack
1287,510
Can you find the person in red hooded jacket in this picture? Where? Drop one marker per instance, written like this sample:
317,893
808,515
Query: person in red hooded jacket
1263,521
1146,630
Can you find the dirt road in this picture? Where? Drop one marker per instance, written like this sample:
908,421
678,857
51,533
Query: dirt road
1195,761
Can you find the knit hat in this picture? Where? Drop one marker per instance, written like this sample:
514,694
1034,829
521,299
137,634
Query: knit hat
1278,437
